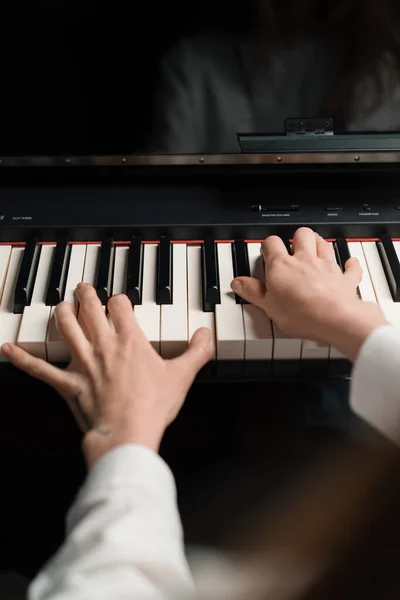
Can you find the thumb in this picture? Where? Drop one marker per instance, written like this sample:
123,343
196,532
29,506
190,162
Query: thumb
250,289
198,354
353,271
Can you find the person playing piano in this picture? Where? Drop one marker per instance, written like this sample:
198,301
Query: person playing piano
124,535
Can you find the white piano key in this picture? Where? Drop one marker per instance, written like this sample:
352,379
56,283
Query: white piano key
120,274
312,350
196,317
5,256
285,347
56,348
366,288
91,263
397,248
9,322
382,292
148,313
259,339
174,317
90,270
228,315
35,318
120,270
75,272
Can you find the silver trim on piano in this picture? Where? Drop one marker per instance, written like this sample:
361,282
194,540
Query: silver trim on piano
135,160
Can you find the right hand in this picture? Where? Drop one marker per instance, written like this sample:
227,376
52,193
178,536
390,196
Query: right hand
308,297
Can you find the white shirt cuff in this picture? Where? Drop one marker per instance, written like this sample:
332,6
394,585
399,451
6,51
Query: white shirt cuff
375,386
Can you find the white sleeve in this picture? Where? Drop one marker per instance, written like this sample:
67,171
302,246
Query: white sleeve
124,535
375,387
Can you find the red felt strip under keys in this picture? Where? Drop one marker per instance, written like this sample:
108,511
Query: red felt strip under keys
189,242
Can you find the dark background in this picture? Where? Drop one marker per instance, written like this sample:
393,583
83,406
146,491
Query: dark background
79,76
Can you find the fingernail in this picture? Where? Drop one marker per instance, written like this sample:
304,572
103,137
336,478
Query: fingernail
206,333
237,286
6,349
79,287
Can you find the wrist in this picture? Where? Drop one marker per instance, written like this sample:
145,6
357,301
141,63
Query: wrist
96,443
352,326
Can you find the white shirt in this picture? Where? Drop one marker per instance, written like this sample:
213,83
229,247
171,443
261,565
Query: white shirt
124,534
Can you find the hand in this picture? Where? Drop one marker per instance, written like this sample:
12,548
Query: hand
117,385
308,297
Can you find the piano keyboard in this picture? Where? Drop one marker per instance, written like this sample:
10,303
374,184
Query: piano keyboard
175,288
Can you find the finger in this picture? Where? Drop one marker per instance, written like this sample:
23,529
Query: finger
250,289
305,242
92,313
325,250
272,248
71,331
36,367
122,315
195,357
353,271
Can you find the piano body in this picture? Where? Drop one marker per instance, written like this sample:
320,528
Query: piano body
172,232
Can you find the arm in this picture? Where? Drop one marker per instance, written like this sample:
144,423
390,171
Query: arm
124,536
124,533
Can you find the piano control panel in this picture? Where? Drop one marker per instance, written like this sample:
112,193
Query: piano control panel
192,212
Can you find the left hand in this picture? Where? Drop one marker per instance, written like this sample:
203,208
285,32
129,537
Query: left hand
117,385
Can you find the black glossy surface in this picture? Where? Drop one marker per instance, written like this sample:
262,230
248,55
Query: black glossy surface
342,252
241,267
26,276
104,271
391,265
54,293
210,275
164,283
135,271
184,205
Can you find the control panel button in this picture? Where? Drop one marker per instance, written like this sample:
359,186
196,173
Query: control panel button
333,209
263,208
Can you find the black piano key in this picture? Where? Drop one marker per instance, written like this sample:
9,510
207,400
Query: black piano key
241,266
391,265
104,271
342,252
55,288
26,276
210,275
135,271
288,245
164,291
